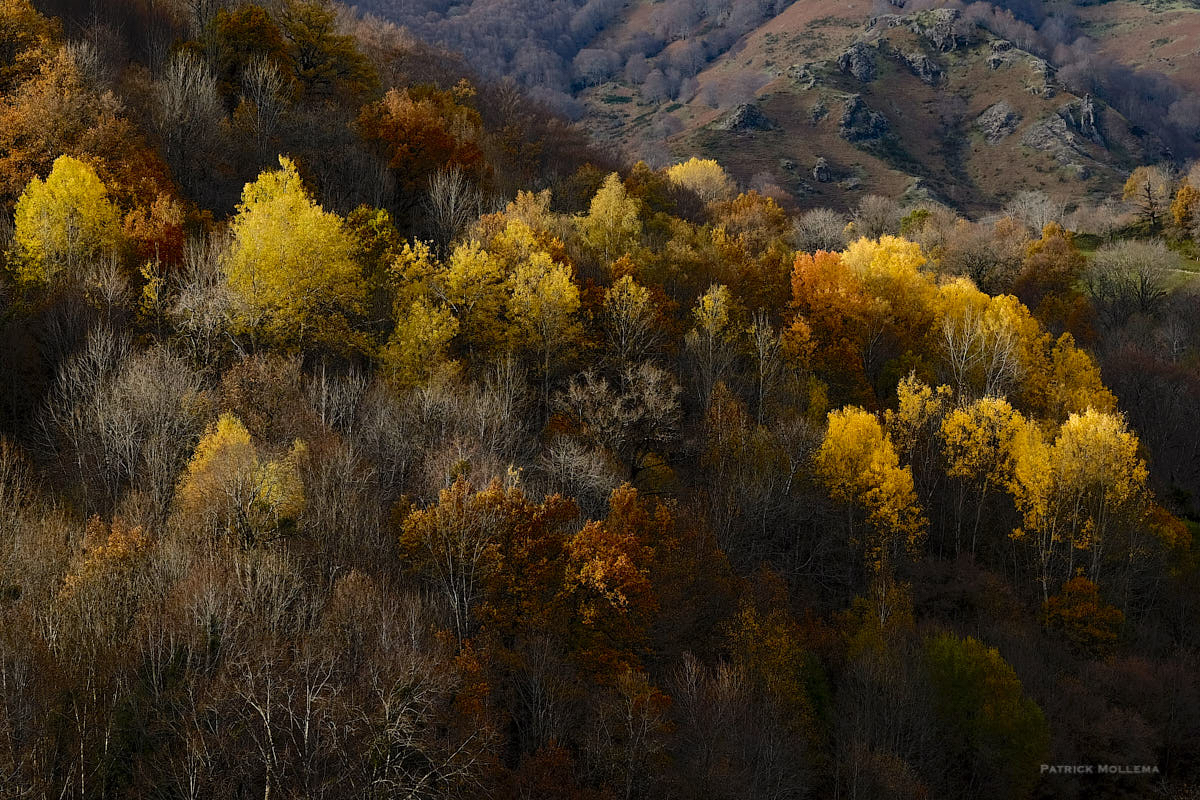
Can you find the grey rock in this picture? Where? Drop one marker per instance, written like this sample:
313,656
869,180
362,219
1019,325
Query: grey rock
860,123
821,172
924,68
859,61
939,27
746,117
1054,136
818,112
998,121
1082,117
804,75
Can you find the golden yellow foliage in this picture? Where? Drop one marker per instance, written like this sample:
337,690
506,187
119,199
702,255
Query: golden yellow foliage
291,265
860,468
705,177
228,489
63,222
110,551
612,225
419,343
1077,493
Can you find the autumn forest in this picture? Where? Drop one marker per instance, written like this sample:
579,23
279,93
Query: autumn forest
369,431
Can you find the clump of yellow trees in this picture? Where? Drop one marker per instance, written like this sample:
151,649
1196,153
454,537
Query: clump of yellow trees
1024,419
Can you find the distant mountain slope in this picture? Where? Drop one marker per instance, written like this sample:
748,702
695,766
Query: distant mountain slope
910,103
968,104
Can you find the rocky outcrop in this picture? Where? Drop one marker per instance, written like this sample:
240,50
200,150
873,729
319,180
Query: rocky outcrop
924,68
821,172
1001,53
859,61
745,118
997,122
1056,138
804,75
861,123
1082,117
939,27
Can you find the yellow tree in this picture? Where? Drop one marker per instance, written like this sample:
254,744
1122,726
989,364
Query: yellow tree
913,427
612,225
984,339
860,469
891,271
1184,207
713,339
292,265
419,343
472,284
542,307
26,38
630,320
454,543
705,177
1148,189
978,446
229,489
63,222
1077,494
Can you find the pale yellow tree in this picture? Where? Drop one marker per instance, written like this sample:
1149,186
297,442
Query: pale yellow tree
1148,189
230,490
707,178
978,444
419,343
913,427
713,338
983,339
1077,495
612,226
630,320
542,310
472,285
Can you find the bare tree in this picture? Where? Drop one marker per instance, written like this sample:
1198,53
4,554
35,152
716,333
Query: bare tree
1130,277
203,308
1035,210
767,347
187,115
819,229
990,255
455,202
876,216
266,90
633,421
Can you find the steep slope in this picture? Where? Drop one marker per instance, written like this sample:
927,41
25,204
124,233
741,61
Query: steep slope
918,103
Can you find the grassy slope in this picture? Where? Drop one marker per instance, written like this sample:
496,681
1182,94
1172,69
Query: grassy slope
935,138
1163,35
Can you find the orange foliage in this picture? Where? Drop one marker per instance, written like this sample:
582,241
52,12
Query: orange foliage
1078,613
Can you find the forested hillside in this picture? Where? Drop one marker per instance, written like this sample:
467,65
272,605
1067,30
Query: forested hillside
369,431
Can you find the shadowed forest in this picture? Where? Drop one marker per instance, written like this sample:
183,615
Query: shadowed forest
366,431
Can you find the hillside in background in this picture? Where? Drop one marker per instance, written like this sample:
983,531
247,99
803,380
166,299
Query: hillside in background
821,102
